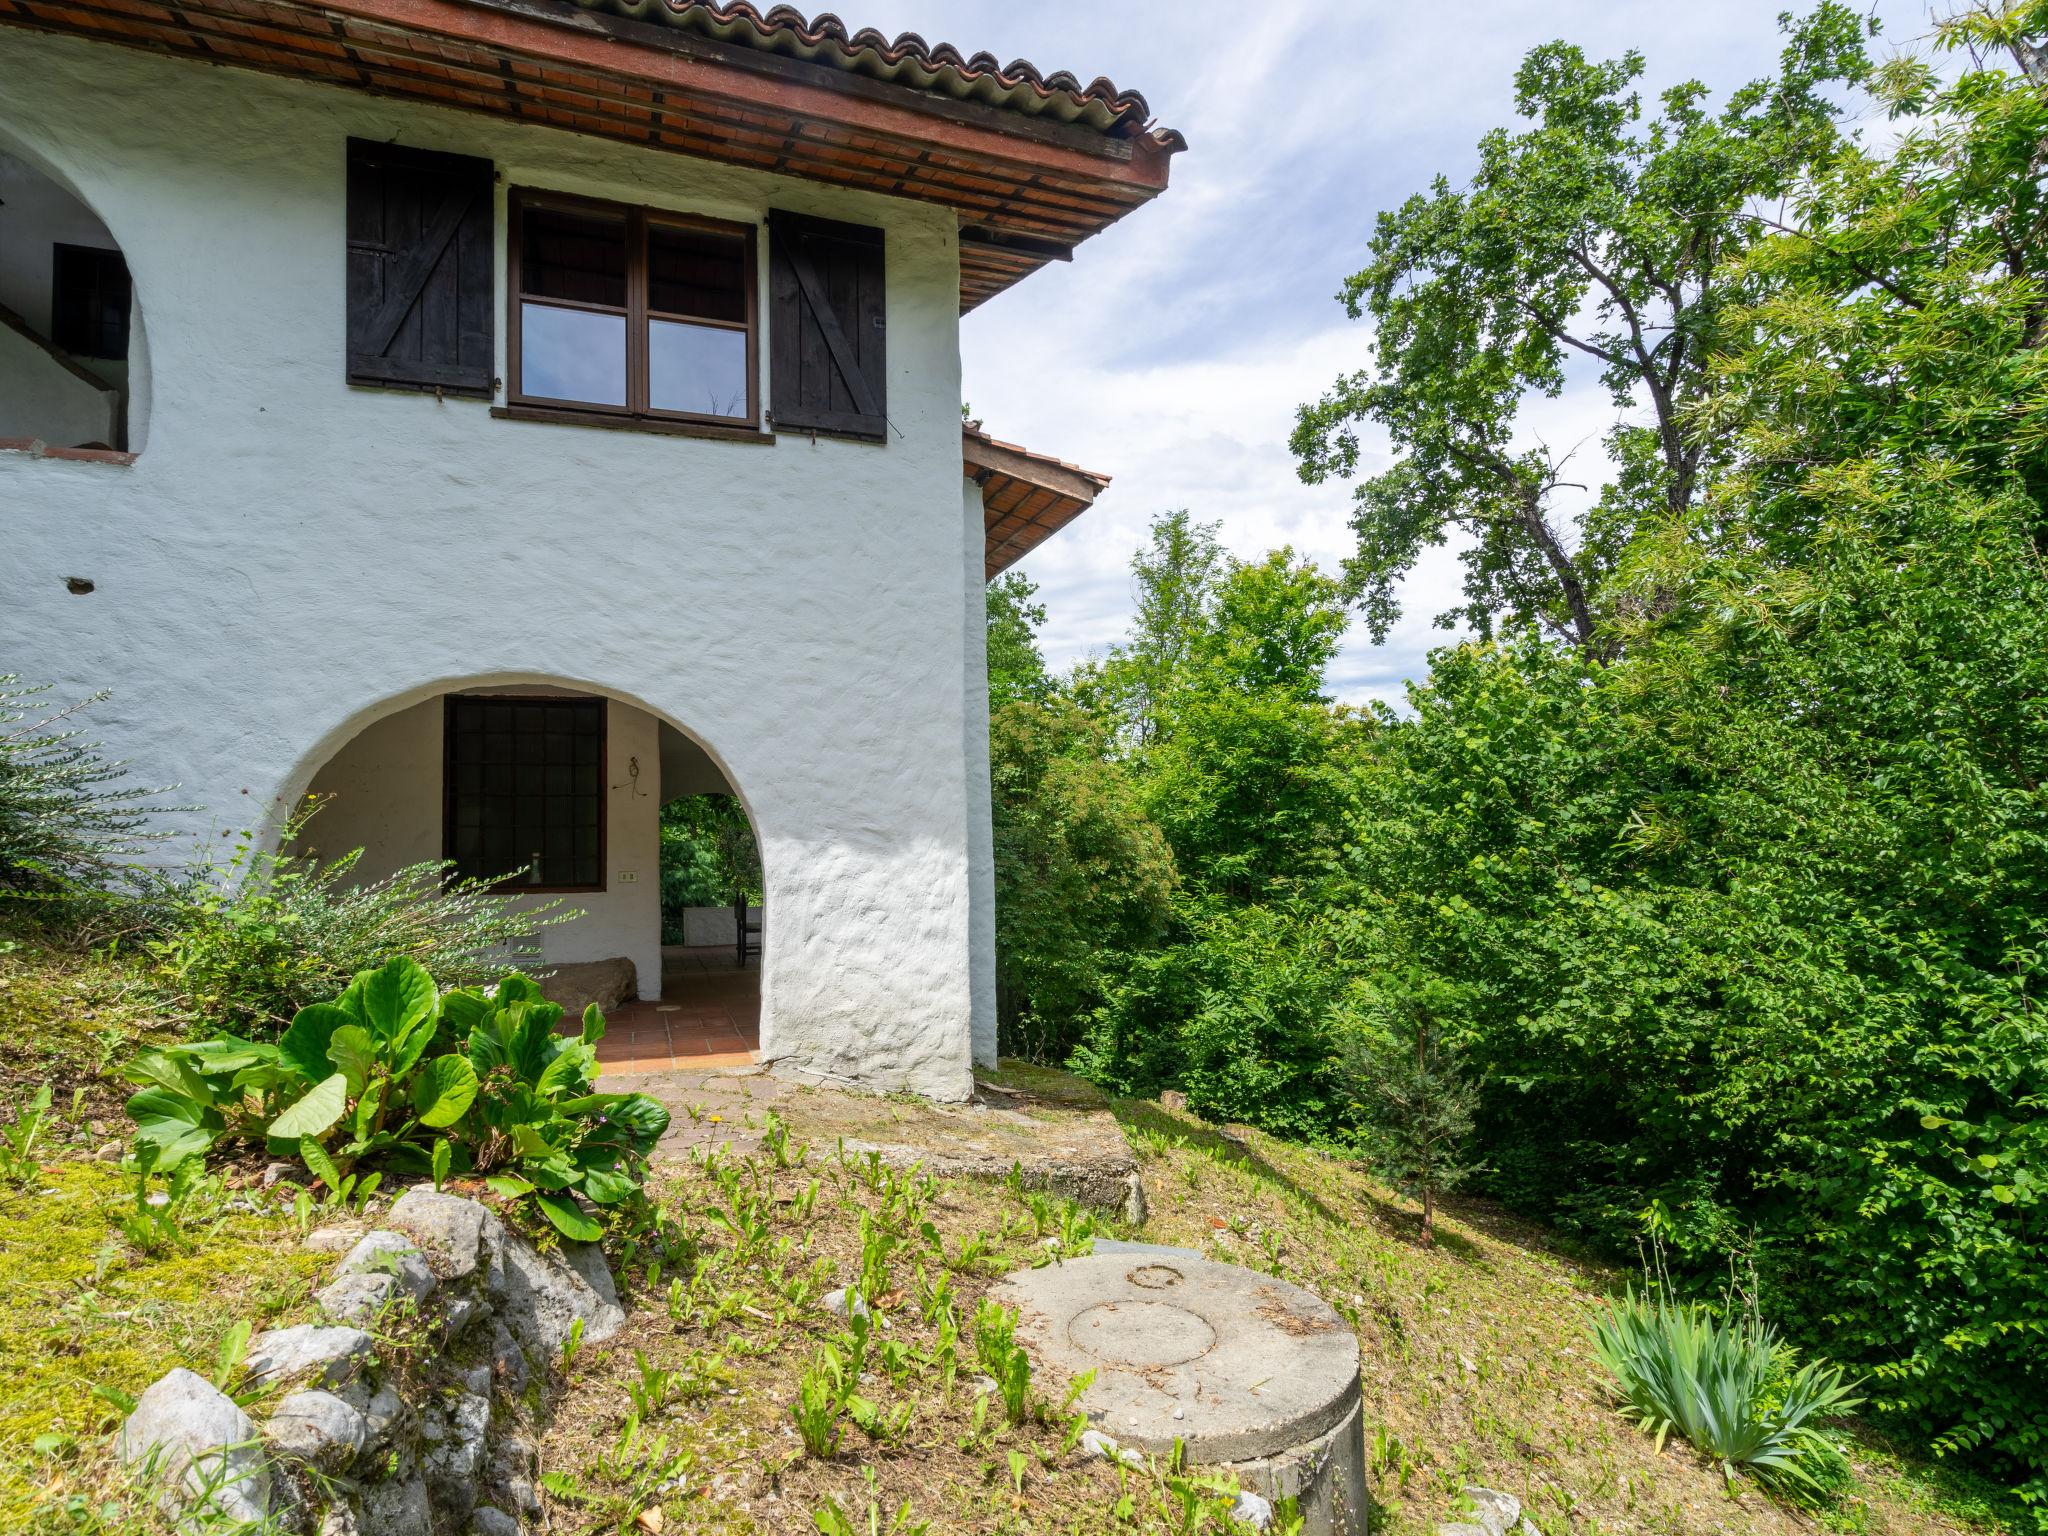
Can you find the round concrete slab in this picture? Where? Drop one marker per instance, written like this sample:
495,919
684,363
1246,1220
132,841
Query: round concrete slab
1235,1364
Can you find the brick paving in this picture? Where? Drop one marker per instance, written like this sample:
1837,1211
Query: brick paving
708,1019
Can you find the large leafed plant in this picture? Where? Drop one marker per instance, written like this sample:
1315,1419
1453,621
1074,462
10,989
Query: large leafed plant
397,1073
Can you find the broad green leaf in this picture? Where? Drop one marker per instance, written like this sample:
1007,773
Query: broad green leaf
643,1119
593,1025
397,998
518,988
511,1186
568,1217
606,1186
410,1047
174,1125
443,1154
461,1011
571,1069
444,1088
218,1057
303,1047
354,1054
487,1045
165,1071
316,1113
315,1157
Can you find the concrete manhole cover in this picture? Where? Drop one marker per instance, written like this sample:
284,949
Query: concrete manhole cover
1141,1333
1244,1370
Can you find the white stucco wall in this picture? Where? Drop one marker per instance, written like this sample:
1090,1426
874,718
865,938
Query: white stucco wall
981,846
382,792
291,560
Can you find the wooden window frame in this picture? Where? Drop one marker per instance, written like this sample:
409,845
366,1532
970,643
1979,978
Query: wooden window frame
604,747
638,220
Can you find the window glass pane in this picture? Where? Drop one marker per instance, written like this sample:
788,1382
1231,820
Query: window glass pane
698,273
579,256
572,354
506,812
697,368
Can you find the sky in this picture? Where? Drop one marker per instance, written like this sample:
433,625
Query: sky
1172,352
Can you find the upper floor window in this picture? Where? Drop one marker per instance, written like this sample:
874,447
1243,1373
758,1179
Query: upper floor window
631,311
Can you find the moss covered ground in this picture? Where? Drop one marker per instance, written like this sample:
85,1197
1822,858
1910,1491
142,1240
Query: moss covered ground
1476,1366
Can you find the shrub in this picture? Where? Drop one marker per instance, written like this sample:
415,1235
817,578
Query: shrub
1729,1387
66,817
251,942
395,1073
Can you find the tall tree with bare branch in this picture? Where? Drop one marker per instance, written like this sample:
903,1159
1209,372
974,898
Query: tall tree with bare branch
1594,233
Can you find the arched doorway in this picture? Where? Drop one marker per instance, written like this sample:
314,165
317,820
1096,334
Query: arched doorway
70,333
552,792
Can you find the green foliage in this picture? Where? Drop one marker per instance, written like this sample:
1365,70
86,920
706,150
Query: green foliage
1016,667
1727,1386
1589,234
371,1077
708,858
18,1162
1081,874
251,941
68,821
1415,1101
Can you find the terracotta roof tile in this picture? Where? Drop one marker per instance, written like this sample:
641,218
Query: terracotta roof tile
1019,86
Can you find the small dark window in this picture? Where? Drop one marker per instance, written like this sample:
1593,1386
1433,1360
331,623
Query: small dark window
632,311
525,791
89,302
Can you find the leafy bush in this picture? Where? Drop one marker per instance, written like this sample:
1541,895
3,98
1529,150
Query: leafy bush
251,942
1728,1387
66,817
394,1072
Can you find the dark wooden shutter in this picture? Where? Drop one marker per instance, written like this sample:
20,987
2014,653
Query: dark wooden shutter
420,308
827,327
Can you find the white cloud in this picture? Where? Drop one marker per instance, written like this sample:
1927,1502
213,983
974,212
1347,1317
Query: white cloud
1173,351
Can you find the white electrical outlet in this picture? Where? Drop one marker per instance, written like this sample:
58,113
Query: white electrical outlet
627,876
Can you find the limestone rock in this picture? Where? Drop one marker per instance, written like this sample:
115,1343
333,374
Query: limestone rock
510,1483
399,1508
452,1231
357,1298
1252,1509
328,1356
1495,1513
390,1253
1134,1208
607,983
487,1521
456,1443
201,1445
383,1413
540,1296
508,1360
1174,1100
319,1429
330,1239
843,1304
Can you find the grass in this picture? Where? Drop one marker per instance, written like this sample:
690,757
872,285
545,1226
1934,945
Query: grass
1477,1360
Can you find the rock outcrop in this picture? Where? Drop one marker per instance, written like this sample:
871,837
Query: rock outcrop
398,1442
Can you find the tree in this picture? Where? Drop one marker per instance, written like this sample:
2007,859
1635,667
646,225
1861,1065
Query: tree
1016,666
1176,575
1415,1101
1592,234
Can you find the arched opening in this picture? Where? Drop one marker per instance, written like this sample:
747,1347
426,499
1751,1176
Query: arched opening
555,793
70,332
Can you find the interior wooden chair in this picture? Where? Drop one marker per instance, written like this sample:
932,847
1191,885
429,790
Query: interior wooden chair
748,930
